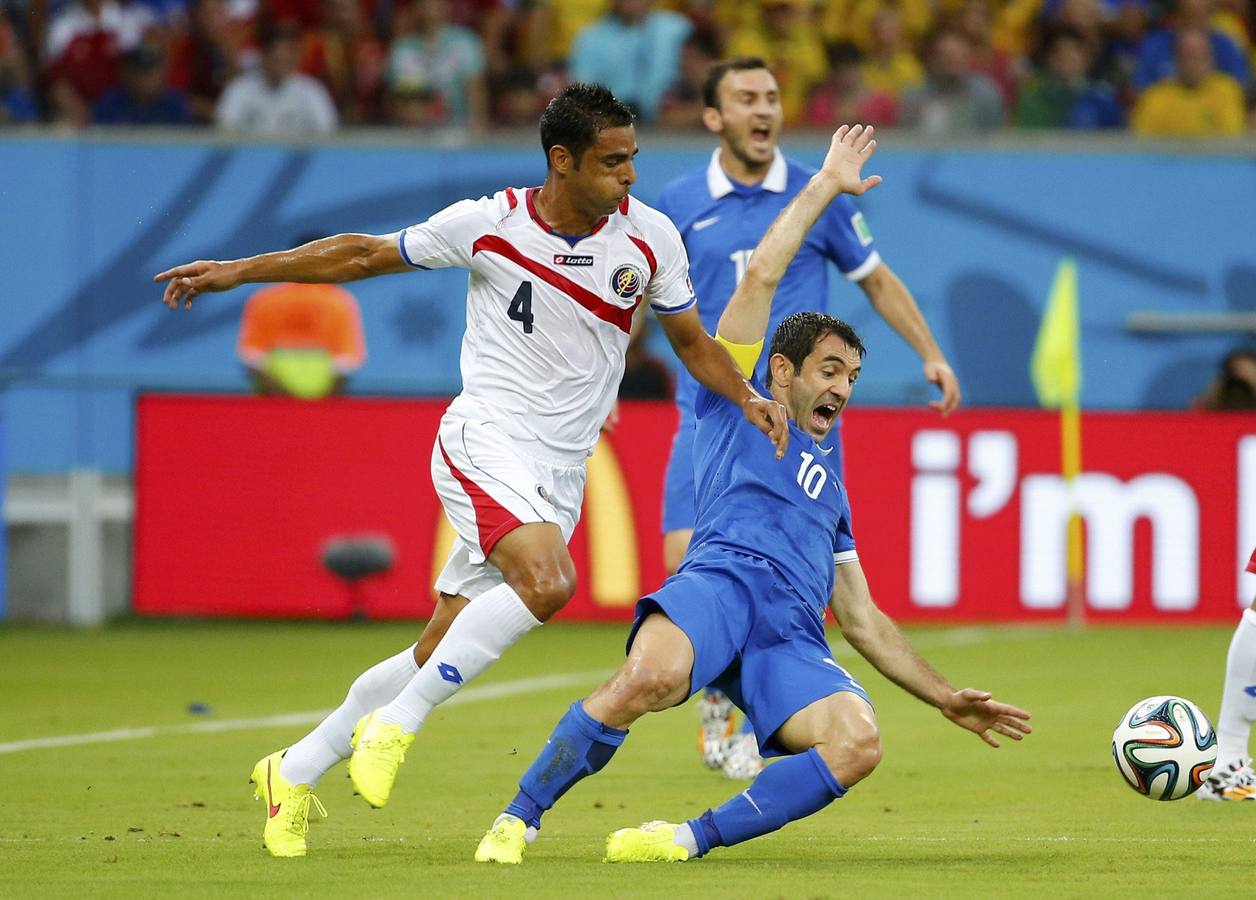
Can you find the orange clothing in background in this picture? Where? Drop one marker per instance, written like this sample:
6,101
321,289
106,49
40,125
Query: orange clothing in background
303,317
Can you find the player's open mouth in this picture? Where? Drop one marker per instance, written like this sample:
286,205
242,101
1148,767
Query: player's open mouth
823,415
761,134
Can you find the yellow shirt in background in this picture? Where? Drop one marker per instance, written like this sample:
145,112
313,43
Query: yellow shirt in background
798,62
902,73
1170,109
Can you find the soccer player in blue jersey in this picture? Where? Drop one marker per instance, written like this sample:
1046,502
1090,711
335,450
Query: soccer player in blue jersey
721,211
745,611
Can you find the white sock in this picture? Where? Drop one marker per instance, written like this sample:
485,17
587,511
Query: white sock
684,838
1238,708
478,637
310,758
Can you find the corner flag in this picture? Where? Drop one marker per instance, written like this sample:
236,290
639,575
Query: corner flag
1056,364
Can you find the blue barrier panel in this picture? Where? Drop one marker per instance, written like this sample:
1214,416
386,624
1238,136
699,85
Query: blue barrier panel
976,234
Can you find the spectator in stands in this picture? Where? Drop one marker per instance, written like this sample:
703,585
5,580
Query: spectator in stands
143,97
635,51
1158,54
1234,388
432,58
682,104
844,97
17,104
786,37
953,100
346,56
554,25
274,99
215,49
1063,95
890,66
1127,28
973,21
83,53
1198,102
301,340
516,100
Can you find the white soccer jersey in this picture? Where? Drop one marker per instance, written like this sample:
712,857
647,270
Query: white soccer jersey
548,318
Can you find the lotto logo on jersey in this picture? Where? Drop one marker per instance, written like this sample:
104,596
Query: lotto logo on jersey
572,259
626,281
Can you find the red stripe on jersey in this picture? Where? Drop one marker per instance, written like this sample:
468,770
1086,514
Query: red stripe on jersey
492,520
623,205
1251,563
511,200
607,312
536,217
649,254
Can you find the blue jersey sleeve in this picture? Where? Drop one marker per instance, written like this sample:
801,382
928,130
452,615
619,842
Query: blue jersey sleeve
846,239
844,538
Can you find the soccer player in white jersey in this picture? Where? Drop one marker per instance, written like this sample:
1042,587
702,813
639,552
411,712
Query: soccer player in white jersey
1232,777
556,273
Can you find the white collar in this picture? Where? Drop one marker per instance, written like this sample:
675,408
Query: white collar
720,185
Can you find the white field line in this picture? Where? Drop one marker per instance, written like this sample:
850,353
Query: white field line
950,637
469,695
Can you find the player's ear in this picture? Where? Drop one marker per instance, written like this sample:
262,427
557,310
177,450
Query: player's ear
561,160
782,369
712,119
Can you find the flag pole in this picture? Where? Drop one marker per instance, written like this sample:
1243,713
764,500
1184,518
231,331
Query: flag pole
1070,468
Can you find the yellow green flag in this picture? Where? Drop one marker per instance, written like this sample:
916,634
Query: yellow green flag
1056,365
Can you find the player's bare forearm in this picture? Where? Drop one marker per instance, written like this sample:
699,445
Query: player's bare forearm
745,319
895,304
877,639
340,258
715,369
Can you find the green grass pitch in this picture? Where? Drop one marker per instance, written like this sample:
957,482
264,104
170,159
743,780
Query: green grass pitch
169,813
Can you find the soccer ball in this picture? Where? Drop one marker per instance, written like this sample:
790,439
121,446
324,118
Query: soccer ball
1164,747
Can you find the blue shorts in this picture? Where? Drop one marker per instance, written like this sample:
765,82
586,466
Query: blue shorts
679,504
753,637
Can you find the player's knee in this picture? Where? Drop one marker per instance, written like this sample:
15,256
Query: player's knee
651,687
545,588
851,755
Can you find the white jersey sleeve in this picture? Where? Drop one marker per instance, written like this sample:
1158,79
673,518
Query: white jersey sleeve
669,290
446,238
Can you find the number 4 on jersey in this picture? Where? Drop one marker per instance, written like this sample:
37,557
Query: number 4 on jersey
521,306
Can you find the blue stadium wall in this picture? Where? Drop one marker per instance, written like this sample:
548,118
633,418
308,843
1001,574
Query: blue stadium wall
975,233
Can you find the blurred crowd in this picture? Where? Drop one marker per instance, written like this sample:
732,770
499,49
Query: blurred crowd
944,67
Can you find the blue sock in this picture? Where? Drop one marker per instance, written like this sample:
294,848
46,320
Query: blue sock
793,788
580,745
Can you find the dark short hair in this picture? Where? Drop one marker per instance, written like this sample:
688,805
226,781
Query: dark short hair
574,118
798,335
715,74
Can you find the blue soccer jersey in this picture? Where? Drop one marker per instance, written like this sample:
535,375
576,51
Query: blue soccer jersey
793,513
721,222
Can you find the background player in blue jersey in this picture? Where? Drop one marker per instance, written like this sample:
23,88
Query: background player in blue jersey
746,610
722,211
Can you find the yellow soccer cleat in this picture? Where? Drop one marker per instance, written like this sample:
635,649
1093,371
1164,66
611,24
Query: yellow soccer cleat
652,842
287,807
379,749
504,842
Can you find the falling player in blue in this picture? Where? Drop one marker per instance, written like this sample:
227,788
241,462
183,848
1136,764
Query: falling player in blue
773,543
721,211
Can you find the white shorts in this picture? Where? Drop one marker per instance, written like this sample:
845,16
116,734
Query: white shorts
489,486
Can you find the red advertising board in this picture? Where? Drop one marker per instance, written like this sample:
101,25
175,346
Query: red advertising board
961,519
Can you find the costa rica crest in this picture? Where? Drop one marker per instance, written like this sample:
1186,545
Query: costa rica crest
627,281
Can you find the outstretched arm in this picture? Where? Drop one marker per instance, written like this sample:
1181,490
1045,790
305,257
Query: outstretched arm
745,319
894,302
342,257
880,641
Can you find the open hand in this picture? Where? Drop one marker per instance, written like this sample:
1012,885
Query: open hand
191,279
941,374
852,146
770,418
974,710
